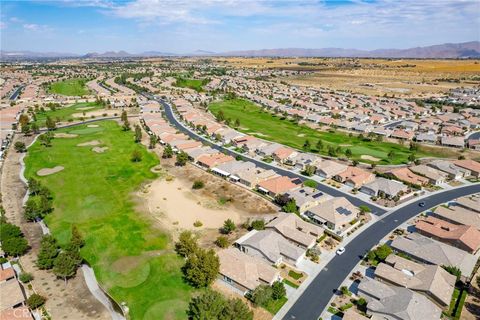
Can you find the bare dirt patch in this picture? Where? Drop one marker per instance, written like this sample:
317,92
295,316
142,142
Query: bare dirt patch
65,135
367,157
96,113
92,126
100,149
89,143
48,171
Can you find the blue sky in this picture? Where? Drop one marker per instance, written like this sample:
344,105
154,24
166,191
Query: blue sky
183,26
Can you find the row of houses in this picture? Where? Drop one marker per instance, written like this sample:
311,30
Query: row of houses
12,295
412,283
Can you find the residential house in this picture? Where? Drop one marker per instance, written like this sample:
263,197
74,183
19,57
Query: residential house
384,187
407,176
430,280
452,141
252,177
460,236
472,203
396,303
454,172
354,177
329,168
426,138
472,166
302,160
271,246
277,185
306,197
458,215
335,213
232,168
434,176
426,250
195,153
244,272
284,155
291,227
11,295
212,160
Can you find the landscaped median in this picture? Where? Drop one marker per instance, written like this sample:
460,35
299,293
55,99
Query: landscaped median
253,120
131,257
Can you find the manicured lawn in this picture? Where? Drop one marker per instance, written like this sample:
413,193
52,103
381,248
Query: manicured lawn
290,283
295,275
274,305
195,84
65,114
262,124
70,87
132,259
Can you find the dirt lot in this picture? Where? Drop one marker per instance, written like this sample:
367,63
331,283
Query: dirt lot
471,308
73,301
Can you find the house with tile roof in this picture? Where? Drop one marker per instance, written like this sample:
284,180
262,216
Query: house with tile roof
277,185
458,215
354,177
335,213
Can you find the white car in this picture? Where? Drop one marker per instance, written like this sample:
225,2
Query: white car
340,251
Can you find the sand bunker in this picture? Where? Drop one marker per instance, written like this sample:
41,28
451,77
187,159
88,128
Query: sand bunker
175,205
89,143
366,157
65,135
96,113
48,171
92,126
99,149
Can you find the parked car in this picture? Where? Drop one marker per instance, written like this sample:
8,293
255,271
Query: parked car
340,251
422,204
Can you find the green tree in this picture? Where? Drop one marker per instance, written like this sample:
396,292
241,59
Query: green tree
278,290
236,309
364,209
382,252
411,157
319,145
35,127
262,295
209,305
229,226
182,158
237,123
454,271
391,155
124,116
26,129
136,156
34,186
220,116
64,266
309,170
25,277
291,206
48,252
153,142
35,301
186,244
76,239
310,183
348,153
45,140
50,123
167,152
15,246
20,146
198,184
8,231
138,133
306,145
201,268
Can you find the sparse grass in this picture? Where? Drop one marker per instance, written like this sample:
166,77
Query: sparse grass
257,122
70,87
95,193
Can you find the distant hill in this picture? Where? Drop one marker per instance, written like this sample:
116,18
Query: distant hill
442,51
447,50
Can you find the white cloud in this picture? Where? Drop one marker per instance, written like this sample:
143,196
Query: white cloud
36,27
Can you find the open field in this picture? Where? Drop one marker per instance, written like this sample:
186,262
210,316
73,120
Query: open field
66,113
132,258
255,121
70,87
399,77
195,84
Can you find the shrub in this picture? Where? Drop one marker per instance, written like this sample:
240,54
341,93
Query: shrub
186,244
310,183
222,242
258,224
20,146
35,301
198,185
228,226
197,224
26,277
278,290
136,156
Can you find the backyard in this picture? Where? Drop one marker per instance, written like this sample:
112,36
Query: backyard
66,113
262,124
131,257
70,87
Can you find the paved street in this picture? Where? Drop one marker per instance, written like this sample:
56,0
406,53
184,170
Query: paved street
322,187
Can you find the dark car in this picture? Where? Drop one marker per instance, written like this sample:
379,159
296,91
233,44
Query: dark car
422,204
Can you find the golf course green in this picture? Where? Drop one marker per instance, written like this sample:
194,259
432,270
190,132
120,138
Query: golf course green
70,87
132,259
262,124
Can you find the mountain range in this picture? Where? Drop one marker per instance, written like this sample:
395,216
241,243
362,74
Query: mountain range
442,51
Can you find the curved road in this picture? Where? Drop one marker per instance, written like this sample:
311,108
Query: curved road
316,296
322,187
